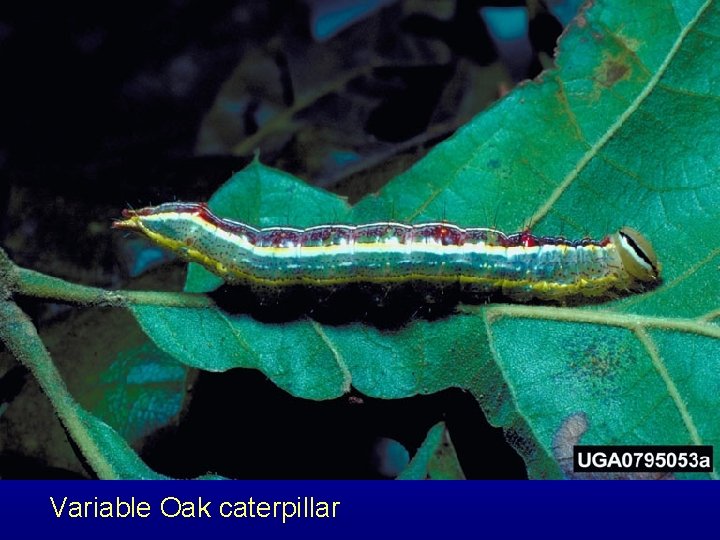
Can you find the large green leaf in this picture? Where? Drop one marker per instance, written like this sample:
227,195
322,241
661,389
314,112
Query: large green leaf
624,132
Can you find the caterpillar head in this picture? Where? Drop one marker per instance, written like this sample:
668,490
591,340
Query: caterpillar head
637,255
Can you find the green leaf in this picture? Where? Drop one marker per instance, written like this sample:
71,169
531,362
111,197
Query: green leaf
126,465
435,459
141,391
624,132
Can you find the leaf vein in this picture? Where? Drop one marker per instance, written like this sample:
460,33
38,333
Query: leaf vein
685,92
672,388
342,365
239,338
615,127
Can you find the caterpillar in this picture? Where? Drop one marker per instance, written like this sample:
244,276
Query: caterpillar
479,261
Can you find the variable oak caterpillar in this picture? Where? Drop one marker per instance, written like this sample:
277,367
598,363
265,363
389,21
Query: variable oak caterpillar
478,260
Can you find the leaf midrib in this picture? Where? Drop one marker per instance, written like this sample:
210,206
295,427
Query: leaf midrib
615,127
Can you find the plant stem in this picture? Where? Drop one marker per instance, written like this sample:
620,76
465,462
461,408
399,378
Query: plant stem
21,338
14,279
33,283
